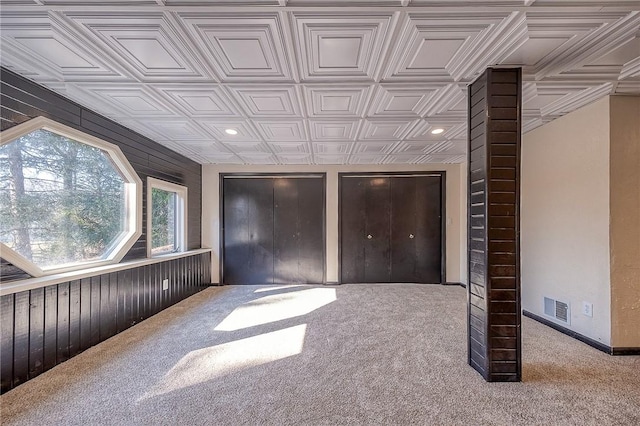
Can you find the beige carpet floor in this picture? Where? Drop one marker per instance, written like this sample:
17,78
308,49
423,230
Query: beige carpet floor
296,355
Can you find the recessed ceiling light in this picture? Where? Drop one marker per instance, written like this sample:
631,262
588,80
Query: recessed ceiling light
437,131
231,131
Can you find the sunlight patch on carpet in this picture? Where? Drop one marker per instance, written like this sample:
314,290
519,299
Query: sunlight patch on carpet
277,307
206,364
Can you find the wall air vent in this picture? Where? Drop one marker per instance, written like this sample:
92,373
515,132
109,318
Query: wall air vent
557,310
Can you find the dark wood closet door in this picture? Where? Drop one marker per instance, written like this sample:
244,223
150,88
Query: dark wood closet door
428,230
390,229
273,230
353,201
311,220
403,229
248,231
298,230
377,254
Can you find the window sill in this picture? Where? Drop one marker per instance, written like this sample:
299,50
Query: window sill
31,283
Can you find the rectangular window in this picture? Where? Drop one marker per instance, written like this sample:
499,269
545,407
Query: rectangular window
166,217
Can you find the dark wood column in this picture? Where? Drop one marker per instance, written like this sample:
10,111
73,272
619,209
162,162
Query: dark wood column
494,220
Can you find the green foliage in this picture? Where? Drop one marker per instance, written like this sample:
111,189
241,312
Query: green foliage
163,210
65,197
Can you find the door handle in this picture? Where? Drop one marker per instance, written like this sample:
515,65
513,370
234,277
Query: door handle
369,236
411,236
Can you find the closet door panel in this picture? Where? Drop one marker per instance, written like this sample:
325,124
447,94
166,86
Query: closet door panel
248,231
286,236
403,229
353,202
311,233
378,233
428,230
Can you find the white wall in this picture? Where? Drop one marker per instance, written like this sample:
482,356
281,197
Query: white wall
456,206
565,218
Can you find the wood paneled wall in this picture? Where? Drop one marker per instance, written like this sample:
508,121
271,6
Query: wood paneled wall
43,327
22,99
46,326
494,193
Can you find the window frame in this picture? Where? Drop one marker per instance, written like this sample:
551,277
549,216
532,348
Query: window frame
132,190
181,192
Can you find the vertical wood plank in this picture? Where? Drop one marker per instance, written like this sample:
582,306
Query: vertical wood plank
74,318
50,326
6,341
63,322
96,305
85,313
21,338
136,294
105,310
36,332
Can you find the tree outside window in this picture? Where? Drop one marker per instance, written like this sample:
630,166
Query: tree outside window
63,202
166,217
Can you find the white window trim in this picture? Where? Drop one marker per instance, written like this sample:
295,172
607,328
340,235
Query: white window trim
181,213
133,196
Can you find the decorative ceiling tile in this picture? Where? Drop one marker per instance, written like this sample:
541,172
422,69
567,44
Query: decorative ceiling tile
207,148
259,158
403,159
331,159
36,42
345,45
448,101
268,101
529,124
294,158
174,129
402,100
218,129
551,35
616,30
281,130
443,47
388,129
223,158
334,130
241,46
610,66
131,100
332,147
367,159
630,69
149,45
577,95
373,147
451,128
197,100
410,147
438,147
336,101
458,147
290,147
629,87
313,82
247,147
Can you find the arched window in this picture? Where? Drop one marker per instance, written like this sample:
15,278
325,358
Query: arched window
68,200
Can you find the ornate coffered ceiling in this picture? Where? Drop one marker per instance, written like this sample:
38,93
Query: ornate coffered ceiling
318,81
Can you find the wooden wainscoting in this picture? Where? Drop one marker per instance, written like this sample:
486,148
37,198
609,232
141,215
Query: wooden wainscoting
46,326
